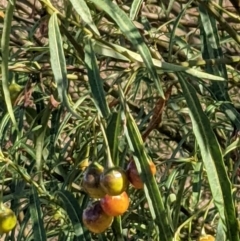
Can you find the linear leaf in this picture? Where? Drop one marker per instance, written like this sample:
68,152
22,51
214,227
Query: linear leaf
174,28
82,9
104,50
24,224
117,228
41,139
212,50
234,145
74,212
95,80
151,190
160,65
58,62
213,161
5,56
39,232
113,132
135,8
131,32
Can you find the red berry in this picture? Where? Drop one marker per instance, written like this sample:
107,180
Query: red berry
133,175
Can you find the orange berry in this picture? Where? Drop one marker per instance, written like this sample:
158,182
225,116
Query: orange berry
115,205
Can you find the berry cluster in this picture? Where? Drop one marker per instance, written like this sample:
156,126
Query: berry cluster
109,188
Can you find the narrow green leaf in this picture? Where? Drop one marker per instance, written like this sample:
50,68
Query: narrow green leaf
117,228
28,149
131,32
65,236
221,232
160,66
151,190
74,212
41,139
95,81
113,132
58,62
135,8
196,184
175,25
170,7
105,50
24,224
74,43
5,120
39,232
212,50
66,119
82,9
5,57
180,194
234,145
57,57
213,161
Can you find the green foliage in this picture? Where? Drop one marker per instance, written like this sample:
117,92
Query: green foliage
105,81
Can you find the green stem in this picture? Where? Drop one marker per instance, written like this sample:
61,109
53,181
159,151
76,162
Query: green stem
1,193
109,162
5,59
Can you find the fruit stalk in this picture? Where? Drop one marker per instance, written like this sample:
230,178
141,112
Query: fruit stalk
109,162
